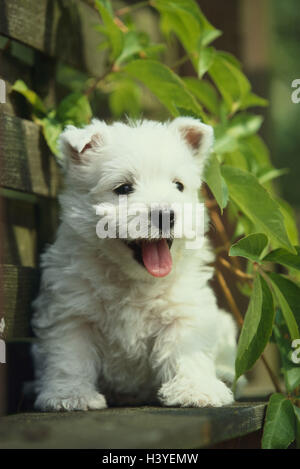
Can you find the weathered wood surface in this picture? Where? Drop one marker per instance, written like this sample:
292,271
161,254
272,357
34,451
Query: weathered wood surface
140,427
20,286
18,230
11,70
58,28
26,162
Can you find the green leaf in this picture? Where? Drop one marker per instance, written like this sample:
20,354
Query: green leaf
257,327
215,181
206,59
244,124
165,85
73,79
297,415
31,96
131,47
125,99
289,220
74,109
266,174
252,100
110,29
255,151
204,92
291,294
284,257
154,51
230,81
185,19
290,370
52,128
250,247
256,203
241,126
280,424
237,159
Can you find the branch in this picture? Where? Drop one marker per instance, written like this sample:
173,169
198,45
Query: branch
271,374
223,235
99,80
231,301
130,9
239,273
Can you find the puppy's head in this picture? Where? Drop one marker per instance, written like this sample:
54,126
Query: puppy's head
129,181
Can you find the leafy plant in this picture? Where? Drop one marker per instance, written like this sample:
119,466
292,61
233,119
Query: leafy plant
239,174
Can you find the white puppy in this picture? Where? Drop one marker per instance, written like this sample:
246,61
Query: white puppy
130,320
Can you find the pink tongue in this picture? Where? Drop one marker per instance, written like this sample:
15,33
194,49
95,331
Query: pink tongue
157,257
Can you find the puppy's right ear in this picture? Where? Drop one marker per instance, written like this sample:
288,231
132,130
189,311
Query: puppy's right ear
78,145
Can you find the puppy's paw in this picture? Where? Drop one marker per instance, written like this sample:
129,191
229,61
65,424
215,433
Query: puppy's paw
88,401
205,394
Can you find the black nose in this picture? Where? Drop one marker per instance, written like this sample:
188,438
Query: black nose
163,219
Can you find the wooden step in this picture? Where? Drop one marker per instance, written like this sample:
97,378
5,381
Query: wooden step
132,427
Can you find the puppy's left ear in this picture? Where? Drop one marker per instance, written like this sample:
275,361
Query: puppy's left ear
198,136
77,145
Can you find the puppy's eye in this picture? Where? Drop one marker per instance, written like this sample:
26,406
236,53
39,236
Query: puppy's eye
124,189
179,186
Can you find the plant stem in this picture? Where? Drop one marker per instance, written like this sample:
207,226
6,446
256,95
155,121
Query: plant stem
98,81
211,204
271,374
180,61
120,25
230,299
223,235
237,272
130,9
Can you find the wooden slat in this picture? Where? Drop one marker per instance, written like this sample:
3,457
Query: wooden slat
122,428
26,163
19,233
20,286
59,29
10,71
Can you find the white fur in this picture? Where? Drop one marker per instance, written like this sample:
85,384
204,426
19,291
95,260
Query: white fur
106,326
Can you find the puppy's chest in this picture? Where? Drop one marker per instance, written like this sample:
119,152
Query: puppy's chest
131,324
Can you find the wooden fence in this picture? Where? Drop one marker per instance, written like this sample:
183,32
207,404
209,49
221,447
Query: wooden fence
36,36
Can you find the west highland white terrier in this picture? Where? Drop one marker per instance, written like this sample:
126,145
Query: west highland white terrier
130,319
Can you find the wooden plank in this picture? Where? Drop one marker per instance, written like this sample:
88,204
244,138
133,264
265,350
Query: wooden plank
26,162
129,427
20,286
11,70
19,233
64,30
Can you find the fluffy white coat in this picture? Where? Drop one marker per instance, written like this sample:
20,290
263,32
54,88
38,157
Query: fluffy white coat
108,330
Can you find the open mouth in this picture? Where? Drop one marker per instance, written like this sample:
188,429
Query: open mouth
154,255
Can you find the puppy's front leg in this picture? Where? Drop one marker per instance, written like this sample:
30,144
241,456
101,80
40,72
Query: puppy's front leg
67,367
183,358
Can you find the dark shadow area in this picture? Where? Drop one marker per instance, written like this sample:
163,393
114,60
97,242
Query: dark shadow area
19,370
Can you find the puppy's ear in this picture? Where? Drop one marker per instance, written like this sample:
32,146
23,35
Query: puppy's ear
77,145
198,136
